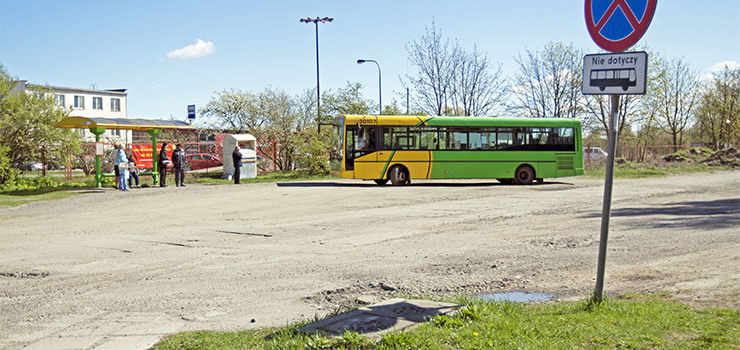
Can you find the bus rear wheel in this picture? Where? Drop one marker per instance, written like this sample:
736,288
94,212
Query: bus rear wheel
524,175
399,176
381,182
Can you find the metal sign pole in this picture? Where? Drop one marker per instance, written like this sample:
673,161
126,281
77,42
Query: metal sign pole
607,205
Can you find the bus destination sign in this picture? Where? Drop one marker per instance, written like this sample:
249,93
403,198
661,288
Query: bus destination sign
622,73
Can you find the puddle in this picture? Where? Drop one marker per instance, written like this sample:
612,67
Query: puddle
519,297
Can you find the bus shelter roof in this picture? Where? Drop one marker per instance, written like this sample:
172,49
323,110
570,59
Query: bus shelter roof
122,123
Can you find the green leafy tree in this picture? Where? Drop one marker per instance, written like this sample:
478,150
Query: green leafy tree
346,100
289,121
27,126
233,110
7,172
392,109
719,112
282,121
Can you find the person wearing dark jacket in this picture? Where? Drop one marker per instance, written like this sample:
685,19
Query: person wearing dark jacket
236,156
179,162
162,162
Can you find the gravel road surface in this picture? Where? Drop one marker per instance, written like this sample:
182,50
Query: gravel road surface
112,270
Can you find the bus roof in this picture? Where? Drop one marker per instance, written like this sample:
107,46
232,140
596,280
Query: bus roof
352,119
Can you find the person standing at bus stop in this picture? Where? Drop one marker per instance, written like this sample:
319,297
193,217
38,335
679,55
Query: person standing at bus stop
179,162
122,161
163,162
236,156
114,158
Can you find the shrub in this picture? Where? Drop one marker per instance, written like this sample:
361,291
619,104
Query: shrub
7,172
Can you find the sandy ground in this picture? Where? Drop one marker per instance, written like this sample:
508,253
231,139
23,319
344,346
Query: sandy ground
112,270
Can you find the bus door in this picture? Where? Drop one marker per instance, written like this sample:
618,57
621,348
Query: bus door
361,145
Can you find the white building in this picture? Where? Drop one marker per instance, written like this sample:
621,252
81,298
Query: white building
88,103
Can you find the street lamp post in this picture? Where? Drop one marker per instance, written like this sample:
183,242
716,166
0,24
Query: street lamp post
380,91
316,21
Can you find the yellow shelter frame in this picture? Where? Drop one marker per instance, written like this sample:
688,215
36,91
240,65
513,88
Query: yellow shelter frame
97,126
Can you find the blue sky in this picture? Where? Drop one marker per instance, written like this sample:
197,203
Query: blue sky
259,44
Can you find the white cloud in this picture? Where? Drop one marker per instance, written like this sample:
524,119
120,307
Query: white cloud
732,65
709,75
199,49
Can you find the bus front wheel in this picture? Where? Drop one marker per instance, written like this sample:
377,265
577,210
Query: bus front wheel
524,175
399,176
381,182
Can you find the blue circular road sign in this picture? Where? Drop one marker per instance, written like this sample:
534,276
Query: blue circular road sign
616,25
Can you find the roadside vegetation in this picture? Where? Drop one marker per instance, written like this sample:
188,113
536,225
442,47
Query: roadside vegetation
685,161
629,322
16,198
32,188
629,170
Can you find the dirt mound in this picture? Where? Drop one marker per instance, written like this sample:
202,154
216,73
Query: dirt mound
690,155
729,157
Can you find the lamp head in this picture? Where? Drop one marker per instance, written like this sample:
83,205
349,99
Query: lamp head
316,20
361,61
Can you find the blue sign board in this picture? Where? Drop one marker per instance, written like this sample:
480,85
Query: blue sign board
191,111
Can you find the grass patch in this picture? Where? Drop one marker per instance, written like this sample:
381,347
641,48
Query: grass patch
16,198
631,322
630,170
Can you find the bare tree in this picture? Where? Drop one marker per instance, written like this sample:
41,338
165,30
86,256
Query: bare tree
477,87
597,110
674,97
451,80
433,58
549,82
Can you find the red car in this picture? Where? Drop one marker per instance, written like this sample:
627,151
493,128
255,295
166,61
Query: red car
203,160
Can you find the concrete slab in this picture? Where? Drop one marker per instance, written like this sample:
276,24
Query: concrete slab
412,310
129,342
63,343
389,316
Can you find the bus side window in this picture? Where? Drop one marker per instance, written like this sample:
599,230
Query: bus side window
442,139
563,139
392,137
456,138
426,138
504,139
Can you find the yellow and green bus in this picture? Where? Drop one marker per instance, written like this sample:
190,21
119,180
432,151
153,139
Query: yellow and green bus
401,148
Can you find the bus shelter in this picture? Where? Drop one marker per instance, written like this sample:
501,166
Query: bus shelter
97,126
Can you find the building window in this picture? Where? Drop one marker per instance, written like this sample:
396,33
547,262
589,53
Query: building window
59,100
79,102
97,103
115,104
